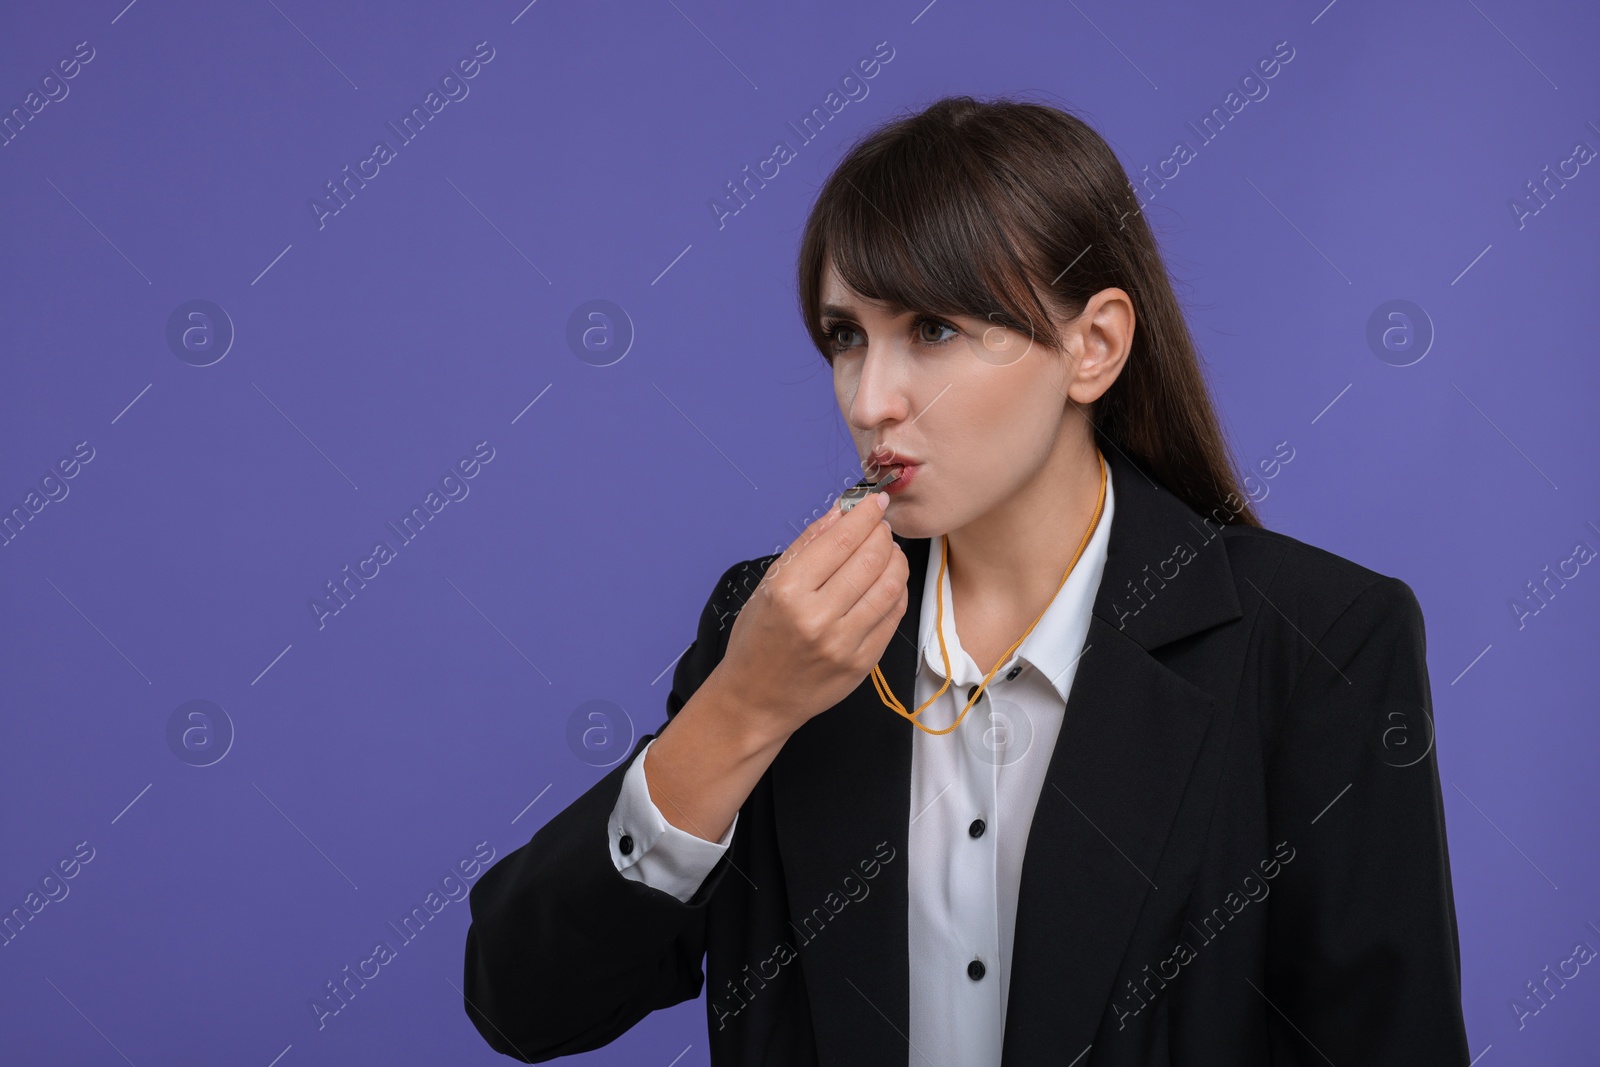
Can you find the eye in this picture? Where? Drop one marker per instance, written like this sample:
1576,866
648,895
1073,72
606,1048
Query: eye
924,321
921,326
830,331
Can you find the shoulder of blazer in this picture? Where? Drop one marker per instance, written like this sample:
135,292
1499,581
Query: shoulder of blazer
1302,584
733,589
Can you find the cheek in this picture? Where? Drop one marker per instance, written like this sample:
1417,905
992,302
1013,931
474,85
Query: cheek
996,436
845,383
979,428
1017,413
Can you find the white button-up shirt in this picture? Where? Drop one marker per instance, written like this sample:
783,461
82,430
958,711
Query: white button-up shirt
973,793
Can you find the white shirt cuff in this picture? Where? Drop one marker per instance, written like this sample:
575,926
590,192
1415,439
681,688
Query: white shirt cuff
662,856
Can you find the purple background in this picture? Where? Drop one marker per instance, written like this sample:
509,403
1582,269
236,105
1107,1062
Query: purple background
438,708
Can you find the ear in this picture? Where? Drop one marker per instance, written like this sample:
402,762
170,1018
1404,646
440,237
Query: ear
1098,342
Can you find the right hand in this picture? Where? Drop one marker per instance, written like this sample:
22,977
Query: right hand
819,620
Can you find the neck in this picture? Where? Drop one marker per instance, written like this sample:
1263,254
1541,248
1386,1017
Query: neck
1009,562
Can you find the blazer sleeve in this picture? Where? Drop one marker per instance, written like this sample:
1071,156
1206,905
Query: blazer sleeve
1363,959
563,953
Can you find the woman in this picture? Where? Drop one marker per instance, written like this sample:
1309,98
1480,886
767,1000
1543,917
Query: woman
1136,780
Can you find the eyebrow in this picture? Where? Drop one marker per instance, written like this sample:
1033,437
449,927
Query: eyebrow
837,311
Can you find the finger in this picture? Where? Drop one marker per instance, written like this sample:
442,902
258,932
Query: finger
882,624
822,523
856,576
813,529
820,558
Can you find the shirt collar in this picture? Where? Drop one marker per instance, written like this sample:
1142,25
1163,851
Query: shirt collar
1055,643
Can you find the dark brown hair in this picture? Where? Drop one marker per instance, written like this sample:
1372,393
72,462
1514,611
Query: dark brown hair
973,208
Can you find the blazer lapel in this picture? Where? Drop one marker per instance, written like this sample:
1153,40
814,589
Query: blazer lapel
1119,769
842,786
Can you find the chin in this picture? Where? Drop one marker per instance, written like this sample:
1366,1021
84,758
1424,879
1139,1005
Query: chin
909,525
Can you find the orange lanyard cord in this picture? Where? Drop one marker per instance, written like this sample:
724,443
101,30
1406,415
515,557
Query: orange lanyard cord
882,684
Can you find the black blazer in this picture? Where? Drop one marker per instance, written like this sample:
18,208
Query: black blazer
1238,856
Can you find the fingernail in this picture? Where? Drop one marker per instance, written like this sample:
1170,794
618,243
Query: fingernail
882,499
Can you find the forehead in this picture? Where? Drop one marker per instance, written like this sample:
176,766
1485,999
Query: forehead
839,299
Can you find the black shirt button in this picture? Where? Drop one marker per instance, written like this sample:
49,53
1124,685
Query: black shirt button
1013,672
976,829
975,970
625,845
972,693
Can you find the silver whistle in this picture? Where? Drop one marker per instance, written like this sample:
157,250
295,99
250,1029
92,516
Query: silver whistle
858,492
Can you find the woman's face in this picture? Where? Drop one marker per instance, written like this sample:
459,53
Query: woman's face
975,409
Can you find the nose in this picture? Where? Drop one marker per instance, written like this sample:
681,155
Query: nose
881,389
